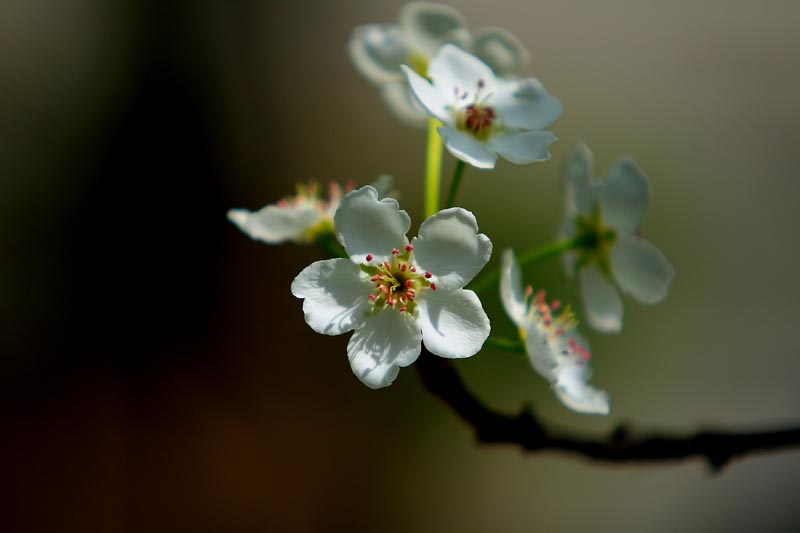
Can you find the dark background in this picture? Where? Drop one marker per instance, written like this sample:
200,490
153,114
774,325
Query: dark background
157,374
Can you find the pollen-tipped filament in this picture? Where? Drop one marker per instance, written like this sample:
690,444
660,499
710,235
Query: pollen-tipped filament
397,281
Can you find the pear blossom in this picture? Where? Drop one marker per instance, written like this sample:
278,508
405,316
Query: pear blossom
484,116
395,294
554,347
378,50
613,257
300,218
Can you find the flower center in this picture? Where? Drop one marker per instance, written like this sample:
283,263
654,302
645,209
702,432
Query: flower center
555,326
397,282
476,117
596,240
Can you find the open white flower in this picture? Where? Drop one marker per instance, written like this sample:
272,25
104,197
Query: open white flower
484,116
378,50
300,218
613,257
554,347
397,294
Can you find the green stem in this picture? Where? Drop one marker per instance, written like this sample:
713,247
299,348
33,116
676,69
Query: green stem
433,169
454,185
533,256
330,245
504,343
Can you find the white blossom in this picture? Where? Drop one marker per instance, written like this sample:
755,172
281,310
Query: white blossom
613,257
554,347
484,116
395,294
299,218
378,50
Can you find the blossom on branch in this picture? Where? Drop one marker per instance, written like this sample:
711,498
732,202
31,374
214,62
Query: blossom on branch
378,50
301,218
395,294
612,256
554,347
484,116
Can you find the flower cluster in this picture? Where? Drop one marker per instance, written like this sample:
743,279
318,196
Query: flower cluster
396,294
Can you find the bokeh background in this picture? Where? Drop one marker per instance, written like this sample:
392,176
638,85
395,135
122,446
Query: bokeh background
156,374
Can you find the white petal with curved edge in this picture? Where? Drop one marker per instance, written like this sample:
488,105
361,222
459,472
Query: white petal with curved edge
387,340
500,50
365,225
641,269
427,95
335,295
522,148
453,68
512,295
450,247
542,352
454,324
601,301
430,25
572,389
467,148
579,192
625,196
377,51
402,103
525,104
273,224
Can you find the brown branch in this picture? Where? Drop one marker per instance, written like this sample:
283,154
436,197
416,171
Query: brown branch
620,446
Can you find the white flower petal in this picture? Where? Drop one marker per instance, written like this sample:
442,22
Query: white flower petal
641,269
427,95
525,104
450,247
501,50
453,323
336,295
402,103
571,388
601,301
512,295
522,148
387,340
625,196
429,25
579,192
452,67
273,224
377,51
542,352
467,148
365,225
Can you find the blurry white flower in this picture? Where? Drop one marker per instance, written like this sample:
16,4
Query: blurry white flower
378,50
396,295
483,115
300,218
613,257
554,347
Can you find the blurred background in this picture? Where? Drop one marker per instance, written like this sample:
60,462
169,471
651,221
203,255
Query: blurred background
157,375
